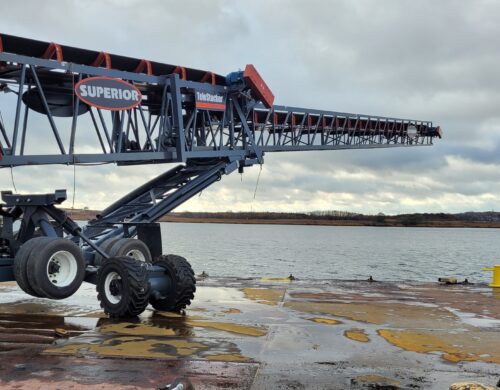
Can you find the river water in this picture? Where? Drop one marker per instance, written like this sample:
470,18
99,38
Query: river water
334,252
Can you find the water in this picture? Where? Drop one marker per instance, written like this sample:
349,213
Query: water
334,252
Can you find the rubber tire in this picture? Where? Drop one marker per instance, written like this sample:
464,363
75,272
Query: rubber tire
183,284
36,268
123,246
106,248
20,264
136,288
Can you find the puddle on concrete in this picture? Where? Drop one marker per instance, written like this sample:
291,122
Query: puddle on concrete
267,296
30,322
218,294
162,335
81,322
338,295
454,347
308,328
43,307
155,335
473,320
357,334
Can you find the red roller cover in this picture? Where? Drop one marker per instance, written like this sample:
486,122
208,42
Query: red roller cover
258,86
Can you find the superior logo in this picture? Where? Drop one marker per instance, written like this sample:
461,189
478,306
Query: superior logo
108,93
210,101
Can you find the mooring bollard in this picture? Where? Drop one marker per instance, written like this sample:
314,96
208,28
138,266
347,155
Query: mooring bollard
496,275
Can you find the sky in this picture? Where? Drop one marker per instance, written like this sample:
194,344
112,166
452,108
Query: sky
429,60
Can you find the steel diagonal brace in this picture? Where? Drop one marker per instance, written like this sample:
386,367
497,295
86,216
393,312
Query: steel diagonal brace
71,227
257,150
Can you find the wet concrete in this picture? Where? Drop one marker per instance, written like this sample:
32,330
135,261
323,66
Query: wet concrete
259,334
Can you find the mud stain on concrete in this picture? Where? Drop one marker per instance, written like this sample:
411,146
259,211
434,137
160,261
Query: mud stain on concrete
168,314
232,311
326,321
357,334
468,299
8,284
454,347
159,337
227,357
200,309
131,329
267,296
374,381
471,386
245,330
278,280
394,314
132,347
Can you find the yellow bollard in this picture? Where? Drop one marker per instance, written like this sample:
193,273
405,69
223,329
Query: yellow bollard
496,275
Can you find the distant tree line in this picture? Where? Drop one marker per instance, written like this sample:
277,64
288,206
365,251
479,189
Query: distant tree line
488,218
336,214
319,215
379,219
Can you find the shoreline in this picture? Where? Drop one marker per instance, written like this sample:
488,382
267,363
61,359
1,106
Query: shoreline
390,221
313,222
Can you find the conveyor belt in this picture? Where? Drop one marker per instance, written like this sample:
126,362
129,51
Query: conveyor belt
40,49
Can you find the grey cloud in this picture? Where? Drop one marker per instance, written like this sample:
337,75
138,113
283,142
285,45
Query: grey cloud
425,60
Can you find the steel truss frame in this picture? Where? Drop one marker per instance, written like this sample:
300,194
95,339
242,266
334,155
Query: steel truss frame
168,127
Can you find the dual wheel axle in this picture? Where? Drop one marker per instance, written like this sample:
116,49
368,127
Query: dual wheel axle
126,283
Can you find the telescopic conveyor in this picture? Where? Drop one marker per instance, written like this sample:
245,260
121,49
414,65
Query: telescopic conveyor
64,105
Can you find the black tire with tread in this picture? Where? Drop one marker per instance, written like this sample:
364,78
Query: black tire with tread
106,247
36,268
183,284
124,245
20,265
136,288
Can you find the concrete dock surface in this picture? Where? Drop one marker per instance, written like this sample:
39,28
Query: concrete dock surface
259,334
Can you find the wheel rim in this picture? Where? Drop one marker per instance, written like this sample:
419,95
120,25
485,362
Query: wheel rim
113,287
136,254
62,269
